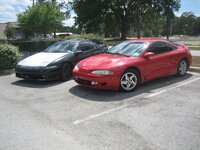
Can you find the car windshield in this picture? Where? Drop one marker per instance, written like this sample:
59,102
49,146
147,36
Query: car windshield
131,49
61,47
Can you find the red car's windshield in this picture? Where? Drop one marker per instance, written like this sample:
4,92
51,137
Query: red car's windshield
132,49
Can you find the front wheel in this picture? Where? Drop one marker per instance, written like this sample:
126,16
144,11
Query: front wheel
129,80
66,72
182,68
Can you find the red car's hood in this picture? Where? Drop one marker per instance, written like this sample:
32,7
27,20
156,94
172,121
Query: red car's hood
104,61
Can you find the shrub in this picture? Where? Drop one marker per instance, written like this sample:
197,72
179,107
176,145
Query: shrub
33,45
91,37
9,56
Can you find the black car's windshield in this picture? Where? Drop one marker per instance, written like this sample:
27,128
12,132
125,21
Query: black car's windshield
62,47
132,49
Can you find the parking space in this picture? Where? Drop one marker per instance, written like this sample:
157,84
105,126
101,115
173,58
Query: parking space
161,114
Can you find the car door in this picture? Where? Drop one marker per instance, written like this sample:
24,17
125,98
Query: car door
160,64
94,49
85,48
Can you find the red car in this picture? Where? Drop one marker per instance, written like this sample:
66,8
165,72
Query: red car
130,63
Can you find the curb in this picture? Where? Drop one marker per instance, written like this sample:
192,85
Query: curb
194,69
7,72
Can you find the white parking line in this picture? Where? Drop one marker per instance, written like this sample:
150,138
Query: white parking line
98,115
169,89
123,106
193,73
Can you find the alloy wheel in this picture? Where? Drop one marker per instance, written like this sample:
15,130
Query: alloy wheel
182,67
129,81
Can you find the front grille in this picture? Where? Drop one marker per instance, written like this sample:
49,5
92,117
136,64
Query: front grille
29,76
85,82
30,69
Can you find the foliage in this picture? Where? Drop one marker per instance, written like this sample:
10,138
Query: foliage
33,45
72,29
186,24
100,16
41,18
92,37
9,32
168,7
9,56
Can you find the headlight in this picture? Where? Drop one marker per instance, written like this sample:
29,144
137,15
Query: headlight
102,72
52,67
76,67
58,59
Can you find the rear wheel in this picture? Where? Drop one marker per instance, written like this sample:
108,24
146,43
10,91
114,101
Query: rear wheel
66,72
129,80
182,68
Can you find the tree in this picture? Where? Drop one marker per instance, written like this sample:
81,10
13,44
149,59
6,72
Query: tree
92,14
41,18
167,8
41,1
9,31
197,26
187,23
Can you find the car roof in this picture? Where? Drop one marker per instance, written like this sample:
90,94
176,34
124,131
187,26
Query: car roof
74,41
148,40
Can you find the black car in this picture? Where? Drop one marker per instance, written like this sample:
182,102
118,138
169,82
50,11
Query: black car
57,61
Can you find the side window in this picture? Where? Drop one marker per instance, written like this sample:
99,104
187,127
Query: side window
92,46
159,48
170,47
84,46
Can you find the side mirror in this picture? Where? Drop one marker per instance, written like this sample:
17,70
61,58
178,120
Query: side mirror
149,54
78,52
107,48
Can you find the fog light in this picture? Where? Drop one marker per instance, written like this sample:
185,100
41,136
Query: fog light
94,83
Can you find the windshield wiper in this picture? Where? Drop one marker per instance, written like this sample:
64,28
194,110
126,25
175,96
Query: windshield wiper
108,52
121,54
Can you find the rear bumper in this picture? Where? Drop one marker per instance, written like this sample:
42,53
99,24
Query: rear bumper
96,81
37,73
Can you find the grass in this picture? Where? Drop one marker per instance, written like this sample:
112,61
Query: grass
191,45
186,38
196,61
194,47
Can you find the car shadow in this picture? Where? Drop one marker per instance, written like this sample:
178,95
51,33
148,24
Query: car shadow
107,96
37,83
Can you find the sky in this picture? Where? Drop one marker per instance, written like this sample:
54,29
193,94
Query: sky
10,8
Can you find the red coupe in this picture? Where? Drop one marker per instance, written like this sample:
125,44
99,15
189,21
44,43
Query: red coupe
130,63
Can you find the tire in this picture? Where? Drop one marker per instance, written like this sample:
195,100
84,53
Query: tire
66,72
182,68
129,80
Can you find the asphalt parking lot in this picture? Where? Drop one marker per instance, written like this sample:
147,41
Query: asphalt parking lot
162,114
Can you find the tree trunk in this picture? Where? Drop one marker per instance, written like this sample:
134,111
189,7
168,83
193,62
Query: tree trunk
54,34
168,26
124,29
123,33
138,19
45,34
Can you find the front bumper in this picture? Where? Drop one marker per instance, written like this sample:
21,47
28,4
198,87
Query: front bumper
96,81
38,73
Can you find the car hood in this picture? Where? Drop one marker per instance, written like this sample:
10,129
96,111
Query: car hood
104,61
41,59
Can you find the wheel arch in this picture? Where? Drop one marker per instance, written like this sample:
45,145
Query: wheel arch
69,62
136,69
185,58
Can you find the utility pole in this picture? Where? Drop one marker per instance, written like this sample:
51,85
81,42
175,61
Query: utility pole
33,2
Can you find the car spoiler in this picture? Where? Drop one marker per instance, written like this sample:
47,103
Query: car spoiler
177,44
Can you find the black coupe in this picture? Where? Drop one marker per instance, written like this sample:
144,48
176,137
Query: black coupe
57,61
